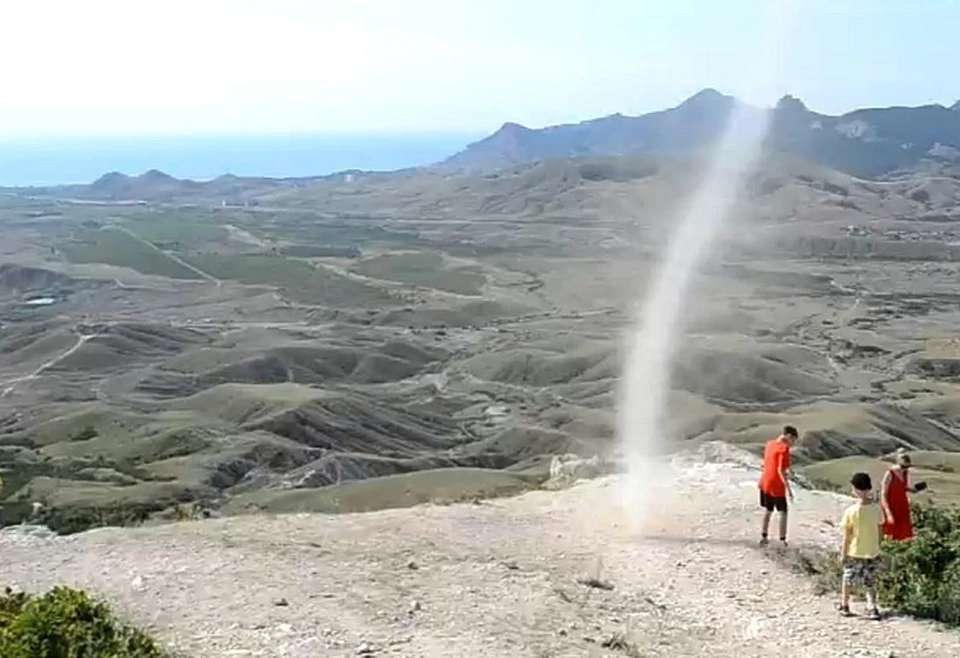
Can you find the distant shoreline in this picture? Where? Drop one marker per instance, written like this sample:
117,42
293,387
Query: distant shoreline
49,161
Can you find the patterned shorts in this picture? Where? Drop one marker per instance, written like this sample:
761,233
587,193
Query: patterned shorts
861,572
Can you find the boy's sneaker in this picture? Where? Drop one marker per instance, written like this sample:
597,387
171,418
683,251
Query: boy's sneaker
844,610
874,614
764,542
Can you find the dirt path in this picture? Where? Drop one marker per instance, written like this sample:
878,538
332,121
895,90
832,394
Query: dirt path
173,257
8,386
496,579
244,236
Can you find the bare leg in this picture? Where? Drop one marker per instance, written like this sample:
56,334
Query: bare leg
765,526
872,598
783,526
845,596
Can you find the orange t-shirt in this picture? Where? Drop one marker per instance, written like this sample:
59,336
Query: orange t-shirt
776,456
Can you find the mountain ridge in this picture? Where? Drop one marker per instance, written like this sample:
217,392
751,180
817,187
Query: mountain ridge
865,142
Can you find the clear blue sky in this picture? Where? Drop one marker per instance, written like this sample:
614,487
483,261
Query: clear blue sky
332,66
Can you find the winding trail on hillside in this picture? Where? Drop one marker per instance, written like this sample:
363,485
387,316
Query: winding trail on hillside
8,386
497,579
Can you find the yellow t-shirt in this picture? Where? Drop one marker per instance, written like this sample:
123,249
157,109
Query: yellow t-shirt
863,520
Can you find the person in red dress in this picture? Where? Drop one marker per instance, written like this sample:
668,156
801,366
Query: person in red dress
897,524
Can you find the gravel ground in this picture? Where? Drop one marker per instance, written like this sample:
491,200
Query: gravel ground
546,574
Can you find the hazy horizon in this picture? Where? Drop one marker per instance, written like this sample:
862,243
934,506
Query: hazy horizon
50,160
300,66
45,161
375,84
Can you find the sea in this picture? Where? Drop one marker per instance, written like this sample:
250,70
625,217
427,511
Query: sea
68,160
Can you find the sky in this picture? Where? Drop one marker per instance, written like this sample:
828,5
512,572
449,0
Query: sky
106,67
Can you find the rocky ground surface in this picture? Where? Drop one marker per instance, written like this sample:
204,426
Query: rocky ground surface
566,573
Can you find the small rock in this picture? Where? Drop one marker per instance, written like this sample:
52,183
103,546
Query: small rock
596,583
414,606
281,602
413,566
365,650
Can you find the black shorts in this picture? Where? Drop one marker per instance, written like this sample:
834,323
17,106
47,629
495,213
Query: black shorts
771,503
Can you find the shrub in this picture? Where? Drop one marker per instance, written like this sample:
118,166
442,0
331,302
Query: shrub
70,520
922,577
67,623
919,577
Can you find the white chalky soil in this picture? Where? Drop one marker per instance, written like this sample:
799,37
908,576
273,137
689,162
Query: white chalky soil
498,579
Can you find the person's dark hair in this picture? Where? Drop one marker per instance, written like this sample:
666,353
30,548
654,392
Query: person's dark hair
790,430
861,482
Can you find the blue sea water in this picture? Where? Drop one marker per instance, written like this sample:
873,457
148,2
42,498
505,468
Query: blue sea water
53,161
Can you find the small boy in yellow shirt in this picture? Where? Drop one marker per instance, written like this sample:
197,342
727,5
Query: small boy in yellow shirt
862,525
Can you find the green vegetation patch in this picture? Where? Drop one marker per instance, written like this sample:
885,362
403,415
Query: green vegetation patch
67,623
297,279
112,246
919,578
319,251
439,486
423,269
177,231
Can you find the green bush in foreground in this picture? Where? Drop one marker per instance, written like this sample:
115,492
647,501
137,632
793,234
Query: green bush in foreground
919,577
922,577
67,623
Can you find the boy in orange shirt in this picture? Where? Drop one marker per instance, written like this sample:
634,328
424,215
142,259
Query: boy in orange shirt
774,482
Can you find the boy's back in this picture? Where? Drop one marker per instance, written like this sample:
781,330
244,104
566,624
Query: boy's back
776,456
863,520
860,553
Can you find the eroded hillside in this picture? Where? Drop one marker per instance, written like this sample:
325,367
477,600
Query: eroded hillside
342,345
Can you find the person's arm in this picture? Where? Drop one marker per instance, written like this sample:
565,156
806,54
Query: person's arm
884,496
847,538
783,469
906,482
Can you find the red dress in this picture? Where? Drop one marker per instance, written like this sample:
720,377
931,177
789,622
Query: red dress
902,527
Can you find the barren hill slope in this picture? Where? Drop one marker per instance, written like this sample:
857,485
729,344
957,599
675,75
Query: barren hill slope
502,578
408,333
